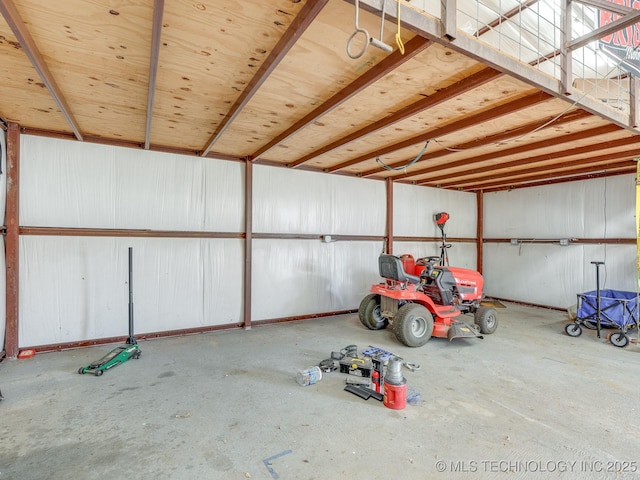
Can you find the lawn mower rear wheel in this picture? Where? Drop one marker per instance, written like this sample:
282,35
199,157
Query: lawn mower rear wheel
369,313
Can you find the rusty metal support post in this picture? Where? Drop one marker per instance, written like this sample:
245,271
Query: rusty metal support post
12,240
248,247
389,217
480,230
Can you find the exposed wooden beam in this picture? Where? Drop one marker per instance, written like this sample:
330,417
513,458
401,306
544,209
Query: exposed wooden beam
303,19
488,140
465,122
495,138
414,46
158,12
19,29
505,17
491,156
457,89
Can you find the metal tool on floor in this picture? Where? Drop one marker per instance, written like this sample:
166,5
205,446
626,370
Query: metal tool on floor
121,353
363,392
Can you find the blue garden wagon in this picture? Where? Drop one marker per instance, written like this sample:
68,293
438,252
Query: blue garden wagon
618,309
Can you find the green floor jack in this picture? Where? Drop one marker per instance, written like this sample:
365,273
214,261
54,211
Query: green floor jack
121,353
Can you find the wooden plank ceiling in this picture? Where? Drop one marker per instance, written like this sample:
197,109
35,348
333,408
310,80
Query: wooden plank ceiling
271,81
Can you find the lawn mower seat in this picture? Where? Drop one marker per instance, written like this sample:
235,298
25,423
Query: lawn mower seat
391,267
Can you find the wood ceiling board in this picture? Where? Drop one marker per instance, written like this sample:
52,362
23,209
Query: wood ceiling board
24,99
402,156
528,141
437,152
466,125
533,174
204,68
480,165
209,52
537,170
430,165
291,92
98,54
510,166
392,61
427,120
408,84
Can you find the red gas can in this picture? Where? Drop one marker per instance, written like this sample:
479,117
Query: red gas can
395,396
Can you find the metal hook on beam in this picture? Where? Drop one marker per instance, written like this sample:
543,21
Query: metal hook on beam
368,38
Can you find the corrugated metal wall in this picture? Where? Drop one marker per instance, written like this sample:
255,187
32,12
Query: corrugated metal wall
550,274
74,287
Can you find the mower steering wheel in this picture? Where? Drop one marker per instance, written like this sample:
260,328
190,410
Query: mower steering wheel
426,260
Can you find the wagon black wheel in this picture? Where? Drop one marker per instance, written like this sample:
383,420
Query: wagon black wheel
487,319
81,370
573,329
413,325
369,313
619,339
98,372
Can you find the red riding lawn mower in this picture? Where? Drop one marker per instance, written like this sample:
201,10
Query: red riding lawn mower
425,297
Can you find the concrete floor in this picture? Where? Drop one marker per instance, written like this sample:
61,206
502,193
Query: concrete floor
526,402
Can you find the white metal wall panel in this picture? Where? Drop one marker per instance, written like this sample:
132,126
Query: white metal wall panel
414,208
292,201
76,288
552,275
83,185
300,277
462,255
598,208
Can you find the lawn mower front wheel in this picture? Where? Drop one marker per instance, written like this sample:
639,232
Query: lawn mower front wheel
369,313
486,318
413,325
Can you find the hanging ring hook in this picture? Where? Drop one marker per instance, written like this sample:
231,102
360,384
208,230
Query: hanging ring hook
356,32
364,47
